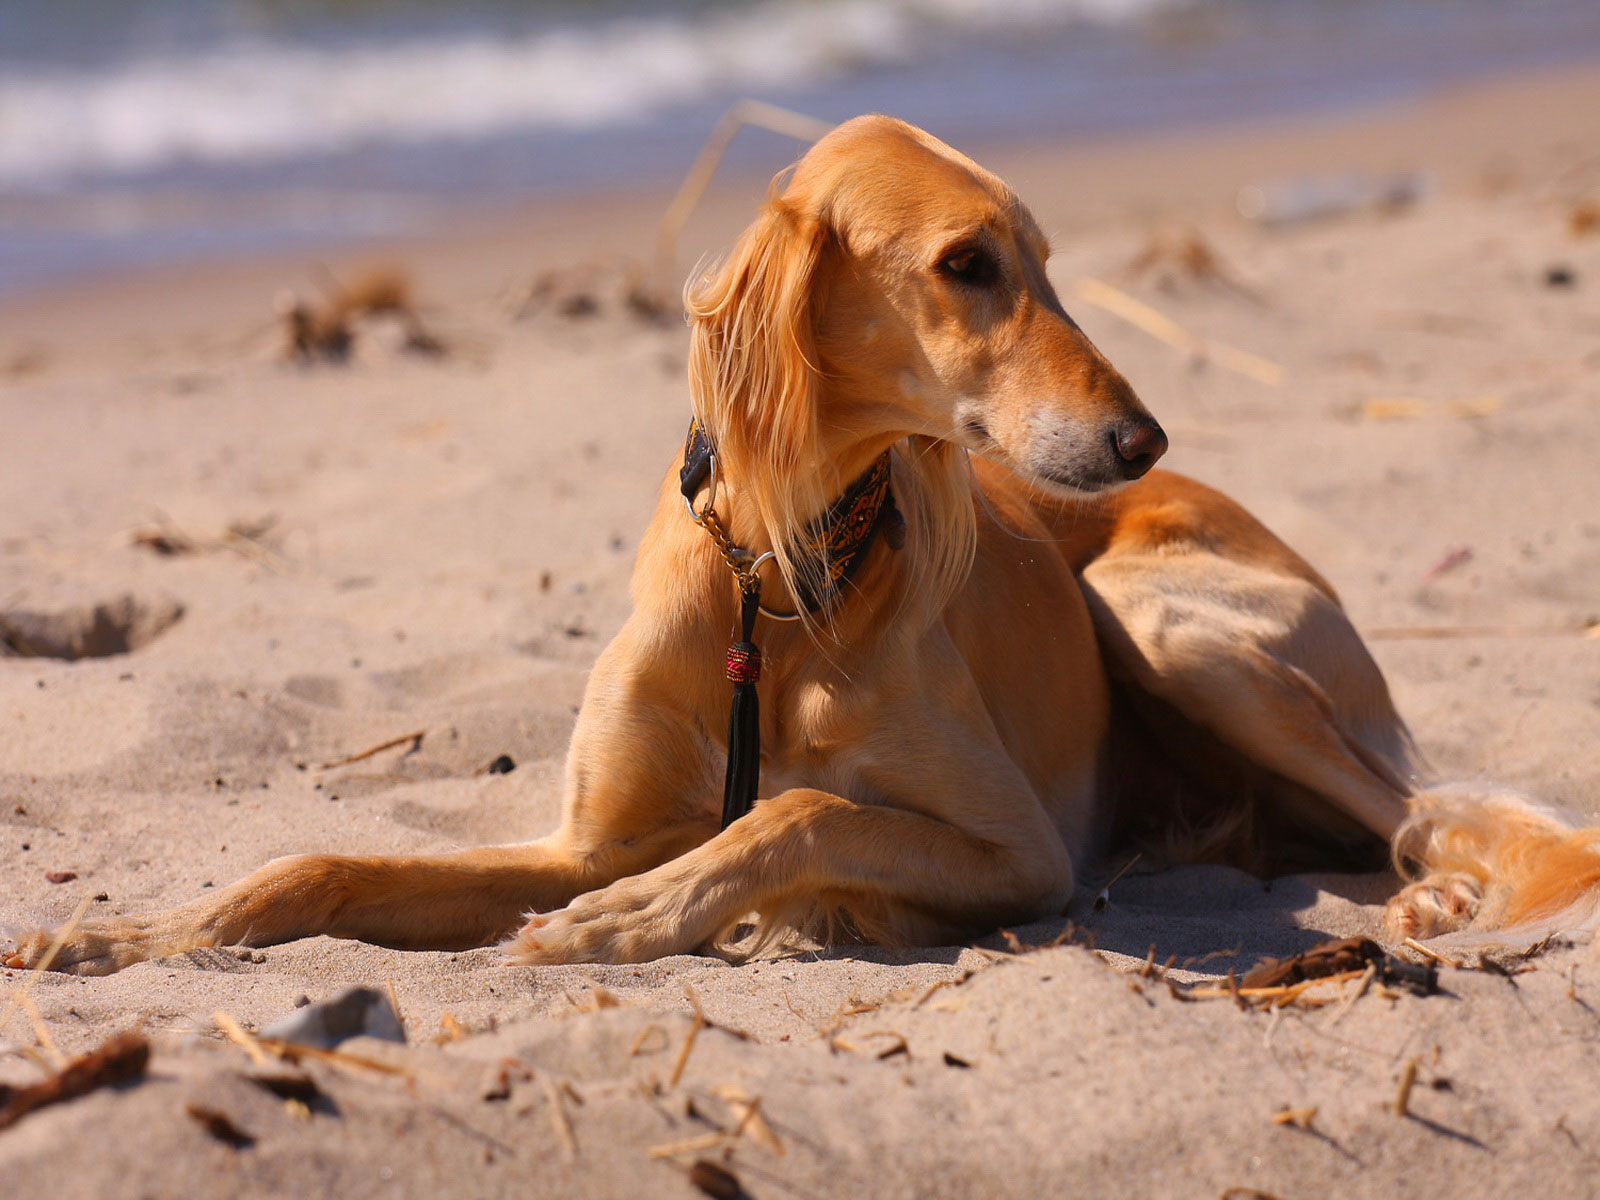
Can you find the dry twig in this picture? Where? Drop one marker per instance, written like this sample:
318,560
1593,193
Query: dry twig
747,1109
19,995
1103,897
293,1052
1300,1118
1402,1094
327,332
394,1002
258,1048
1429,952
1294,993
1362,985
120,1060
638,1046
241,1037
41,1032
1176,255
244,538
942,983
559,1118
593,1000
414,738
694,1145
745,112
1395,633
698,1023
1163,328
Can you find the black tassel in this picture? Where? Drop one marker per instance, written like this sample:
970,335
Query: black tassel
744,718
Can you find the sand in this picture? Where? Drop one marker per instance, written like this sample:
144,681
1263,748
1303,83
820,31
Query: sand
443,546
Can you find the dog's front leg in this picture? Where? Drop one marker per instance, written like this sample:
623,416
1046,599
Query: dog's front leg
807,844
615,822
446,901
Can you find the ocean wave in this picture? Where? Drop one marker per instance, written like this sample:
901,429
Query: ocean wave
259,101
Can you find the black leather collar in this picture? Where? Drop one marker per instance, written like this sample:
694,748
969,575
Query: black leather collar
835,544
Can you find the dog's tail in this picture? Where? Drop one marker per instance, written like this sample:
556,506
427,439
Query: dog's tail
1520,871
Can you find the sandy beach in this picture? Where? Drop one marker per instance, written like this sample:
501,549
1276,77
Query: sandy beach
431,551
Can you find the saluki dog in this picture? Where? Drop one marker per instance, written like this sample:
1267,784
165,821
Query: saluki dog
1053,652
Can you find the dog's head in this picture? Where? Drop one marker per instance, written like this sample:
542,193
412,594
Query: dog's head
896,288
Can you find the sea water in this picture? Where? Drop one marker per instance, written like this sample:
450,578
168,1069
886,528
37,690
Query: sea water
142,131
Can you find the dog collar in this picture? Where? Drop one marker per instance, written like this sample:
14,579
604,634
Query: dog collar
832,548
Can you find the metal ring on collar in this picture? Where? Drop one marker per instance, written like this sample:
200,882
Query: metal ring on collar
765,611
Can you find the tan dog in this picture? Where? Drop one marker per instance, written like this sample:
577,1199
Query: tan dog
1059,659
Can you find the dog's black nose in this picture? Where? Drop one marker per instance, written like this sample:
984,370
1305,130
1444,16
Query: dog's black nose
1138,446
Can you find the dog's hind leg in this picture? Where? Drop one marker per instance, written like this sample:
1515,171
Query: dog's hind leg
1199,606
1264,661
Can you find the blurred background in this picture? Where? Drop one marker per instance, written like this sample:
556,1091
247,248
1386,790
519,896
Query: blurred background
137,132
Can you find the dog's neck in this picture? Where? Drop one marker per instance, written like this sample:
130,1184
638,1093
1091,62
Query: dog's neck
828,549
833,545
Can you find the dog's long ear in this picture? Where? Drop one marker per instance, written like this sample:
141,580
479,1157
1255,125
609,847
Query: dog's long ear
752,366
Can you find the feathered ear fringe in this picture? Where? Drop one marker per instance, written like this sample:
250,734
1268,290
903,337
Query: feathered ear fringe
755,384
753,373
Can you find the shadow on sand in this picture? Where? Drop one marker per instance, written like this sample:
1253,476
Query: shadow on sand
1205,919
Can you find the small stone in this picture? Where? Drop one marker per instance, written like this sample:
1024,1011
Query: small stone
503,765
354,1012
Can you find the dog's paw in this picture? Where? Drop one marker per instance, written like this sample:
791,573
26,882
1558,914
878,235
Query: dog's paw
1435,905
93,948
619,924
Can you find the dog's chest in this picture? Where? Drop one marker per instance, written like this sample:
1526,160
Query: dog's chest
837,775
816,738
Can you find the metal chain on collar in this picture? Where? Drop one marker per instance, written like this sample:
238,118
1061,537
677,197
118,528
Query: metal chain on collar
744,565
737,557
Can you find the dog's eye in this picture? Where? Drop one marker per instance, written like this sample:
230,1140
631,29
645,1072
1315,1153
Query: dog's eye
971,266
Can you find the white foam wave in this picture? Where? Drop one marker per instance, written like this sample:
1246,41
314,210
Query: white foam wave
260,101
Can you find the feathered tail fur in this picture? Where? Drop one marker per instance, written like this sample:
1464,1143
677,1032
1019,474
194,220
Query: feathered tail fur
1512,869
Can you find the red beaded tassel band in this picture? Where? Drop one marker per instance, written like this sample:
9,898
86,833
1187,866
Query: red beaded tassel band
744,663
